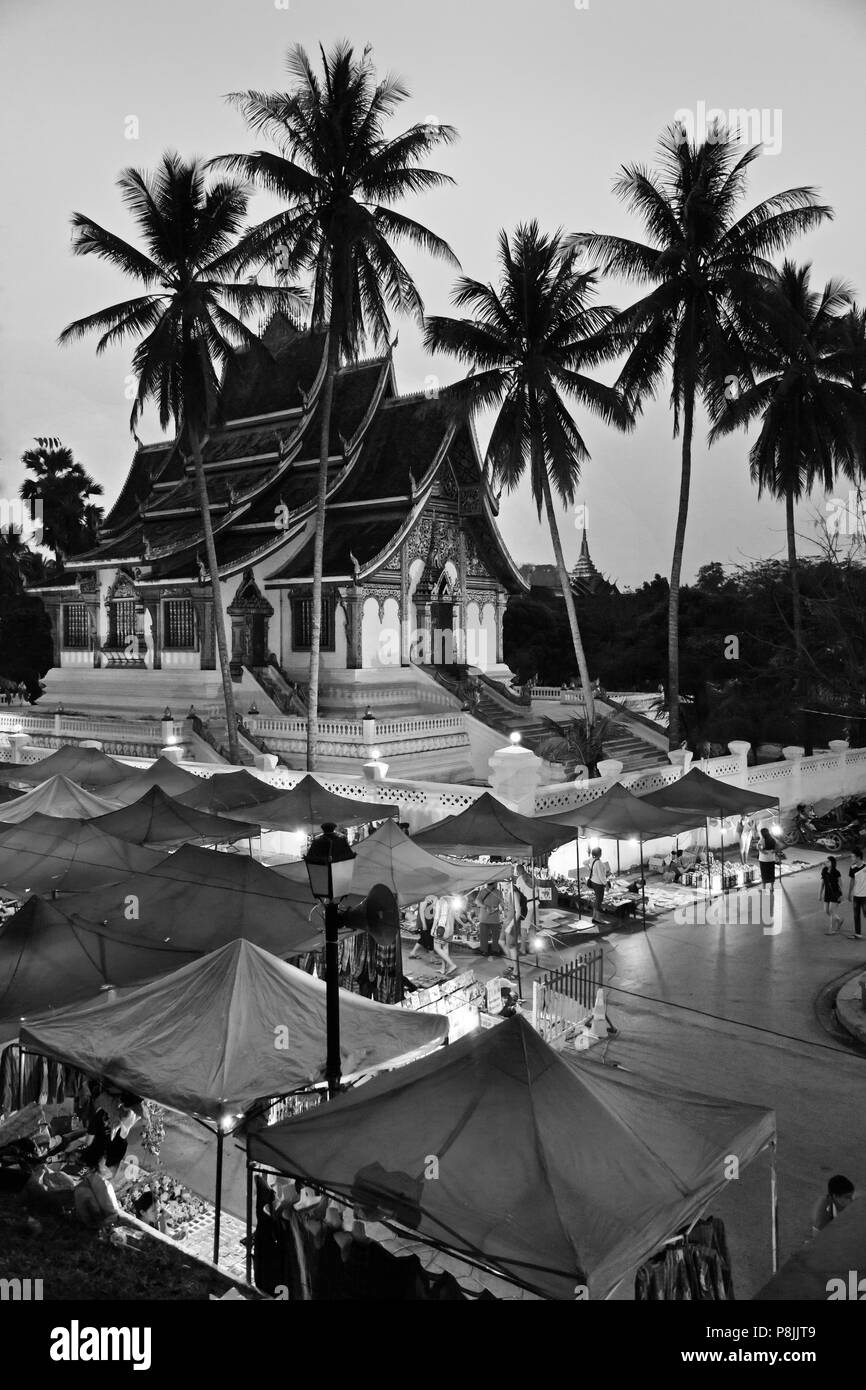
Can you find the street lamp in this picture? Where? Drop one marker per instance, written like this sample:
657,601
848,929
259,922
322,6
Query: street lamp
330,865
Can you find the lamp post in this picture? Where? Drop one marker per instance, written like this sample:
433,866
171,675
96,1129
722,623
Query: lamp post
330,865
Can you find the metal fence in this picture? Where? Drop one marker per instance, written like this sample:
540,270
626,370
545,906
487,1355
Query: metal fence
563,999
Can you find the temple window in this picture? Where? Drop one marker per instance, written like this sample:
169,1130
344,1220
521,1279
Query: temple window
76,634
121,622
179,624
302,624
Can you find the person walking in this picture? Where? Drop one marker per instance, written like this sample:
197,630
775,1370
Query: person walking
426,918
597,881
830,894
443,931
528,898
857,892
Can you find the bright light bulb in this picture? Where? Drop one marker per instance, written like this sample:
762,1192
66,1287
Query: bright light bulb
538,944
515,737
458,903
776,829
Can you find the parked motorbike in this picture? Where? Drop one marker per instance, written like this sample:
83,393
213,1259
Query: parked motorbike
809,829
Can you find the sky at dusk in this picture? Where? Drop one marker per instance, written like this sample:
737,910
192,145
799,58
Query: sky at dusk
549,100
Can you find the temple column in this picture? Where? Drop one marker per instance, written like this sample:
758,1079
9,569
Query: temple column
460,600
405,609
154,608
206,632
425,631
501,602
354,604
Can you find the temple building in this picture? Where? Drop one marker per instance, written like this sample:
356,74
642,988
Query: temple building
416,573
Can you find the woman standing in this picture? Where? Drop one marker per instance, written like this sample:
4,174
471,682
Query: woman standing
747,830
768,854
830,894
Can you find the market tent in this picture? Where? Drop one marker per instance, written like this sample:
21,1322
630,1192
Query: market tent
202,1040
56,797
489,827
228,791
834,1253
157,819
204,898
47,961
591,1169
388,856
51,954
88,767
708,796
163,773
48,854
309,805
622,815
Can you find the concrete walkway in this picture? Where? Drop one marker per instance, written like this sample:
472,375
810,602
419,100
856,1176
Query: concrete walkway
730,1010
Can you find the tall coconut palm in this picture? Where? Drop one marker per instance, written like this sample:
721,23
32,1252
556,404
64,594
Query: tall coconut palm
63,489
529,343
811,414
705,260
852,359
185,320
339,174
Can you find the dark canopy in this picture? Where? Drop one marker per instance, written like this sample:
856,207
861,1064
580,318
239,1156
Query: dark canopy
708,796
621,815
488,827
229,791
201,1040
554,1172
157,819
51,954
89,767
163,773
50,855
309,805
203,895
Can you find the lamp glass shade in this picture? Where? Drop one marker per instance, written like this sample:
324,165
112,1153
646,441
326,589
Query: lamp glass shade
330,865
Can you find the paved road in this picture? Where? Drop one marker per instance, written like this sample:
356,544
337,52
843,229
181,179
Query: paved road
729,1008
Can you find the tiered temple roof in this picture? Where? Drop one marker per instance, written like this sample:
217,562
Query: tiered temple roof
261,465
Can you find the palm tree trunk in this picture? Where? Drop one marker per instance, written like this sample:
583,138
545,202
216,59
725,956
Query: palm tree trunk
796,608
218,615
327,398
568,595
676,572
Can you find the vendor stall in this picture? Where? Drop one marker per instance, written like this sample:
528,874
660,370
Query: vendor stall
550,1215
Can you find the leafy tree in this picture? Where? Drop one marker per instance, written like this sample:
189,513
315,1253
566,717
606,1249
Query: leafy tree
810,414
340,174
706,262
189,320
528,344
63,489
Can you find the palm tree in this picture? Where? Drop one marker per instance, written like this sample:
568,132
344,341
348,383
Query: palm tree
705,261
811,411
339,175
852,350
528,344
184,321
63,488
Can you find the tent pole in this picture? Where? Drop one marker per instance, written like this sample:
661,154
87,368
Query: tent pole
774,1201
577,867
218,1196
722,832
332,998
642,881
21,1055
709,874
249,1222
